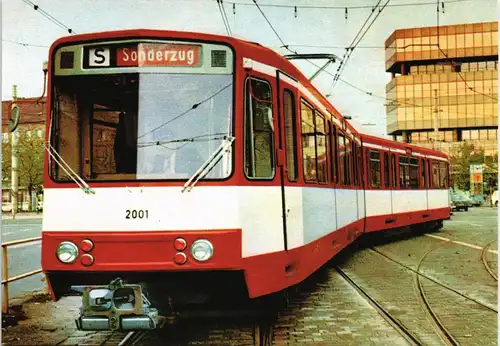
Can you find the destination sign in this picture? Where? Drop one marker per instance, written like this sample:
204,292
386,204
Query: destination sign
143,54
159,55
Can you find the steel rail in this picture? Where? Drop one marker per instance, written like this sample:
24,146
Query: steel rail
394,322
441,330
434,280
485,262
133,337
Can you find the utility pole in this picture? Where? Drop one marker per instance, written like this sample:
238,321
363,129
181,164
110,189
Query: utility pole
435,120
15,162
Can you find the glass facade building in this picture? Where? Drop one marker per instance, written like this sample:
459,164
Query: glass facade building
444,79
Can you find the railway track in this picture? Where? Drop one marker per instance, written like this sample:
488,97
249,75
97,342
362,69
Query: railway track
440,329
485,261
393,321
260,334
133,338
438,325
419,274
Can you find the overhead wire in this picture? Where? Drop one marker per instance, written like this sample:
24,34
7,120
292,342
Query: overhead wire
223,14
348,49
355,43
24,44
369,93
327,7
227,19
49,16
333,47
268,22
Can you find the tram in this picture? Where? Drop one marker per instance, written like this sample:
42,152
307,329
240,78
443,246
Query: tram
186,168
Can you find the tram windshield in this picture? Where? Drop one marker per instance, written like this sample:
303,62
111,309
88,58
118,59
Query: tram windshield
141,126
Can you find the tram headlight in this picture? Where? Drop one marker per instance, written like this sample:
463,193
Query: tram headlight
67,252
202,250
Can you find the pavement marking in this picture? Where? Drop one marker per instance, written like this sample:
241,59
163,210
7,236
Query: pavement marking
25,230
460,243
467,222
6,233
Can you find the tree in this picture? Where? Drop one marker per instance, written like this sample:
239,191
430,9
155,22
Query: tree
31,157
6,160
461,158
490,173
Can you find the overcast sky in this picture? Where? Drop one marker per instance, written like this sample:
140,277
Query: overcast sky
27,34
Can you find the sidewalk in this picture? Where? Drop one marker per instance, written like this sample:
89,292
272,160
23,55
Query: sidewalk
39,321
22,216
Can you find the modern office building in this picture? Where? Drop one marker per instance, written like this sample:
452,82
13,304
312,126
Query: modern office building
446,79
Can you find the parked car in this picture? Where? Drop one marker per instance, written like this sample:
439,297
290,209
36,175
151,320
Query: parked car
450,200
477,200
494,198
461,202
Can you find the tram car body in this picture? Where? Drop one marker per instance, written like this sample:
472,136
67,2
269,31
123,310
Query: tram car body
195,166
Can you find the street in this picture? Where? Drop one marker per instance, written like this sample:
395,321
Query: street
23,258
327,309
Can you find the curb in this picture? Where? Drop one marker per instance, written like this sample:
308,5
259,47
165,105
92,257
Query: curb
22,217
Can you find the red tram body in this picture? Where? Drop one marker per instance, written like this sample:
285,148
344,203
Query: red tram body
194,165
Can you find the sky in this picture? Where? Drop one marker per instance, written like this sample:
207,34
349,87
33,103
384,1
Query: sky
27,35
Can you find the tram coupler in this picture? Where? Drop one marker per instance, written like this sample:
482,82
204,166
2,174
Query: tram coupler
117,306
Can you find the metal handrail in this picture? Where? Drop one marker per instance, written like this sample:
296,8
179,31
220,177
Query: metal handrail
5,270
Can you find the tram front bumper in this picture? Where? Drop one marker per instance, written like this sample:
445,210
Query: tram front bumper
115,307
125,323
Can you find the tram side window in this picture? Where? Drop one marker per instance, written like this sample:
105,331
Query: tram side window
375,169
429,173
359,159
394,172
333,152
321,149
386,170
259,133
342,159
435,174
442,175
423,176
348,162
414,173
290,135
308,143
355,163
404,172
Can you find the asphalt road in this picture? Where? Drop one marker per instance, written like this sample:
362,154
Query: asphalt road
23,258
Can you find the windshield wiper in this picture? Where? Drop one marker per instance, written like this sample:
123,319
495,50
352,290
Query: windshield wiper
68,170
209,164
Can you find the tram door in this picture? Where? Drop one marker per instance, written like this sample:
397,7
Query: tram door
288,161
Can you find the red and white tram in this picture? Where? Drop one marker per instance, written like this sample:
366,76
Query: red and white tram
196,166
